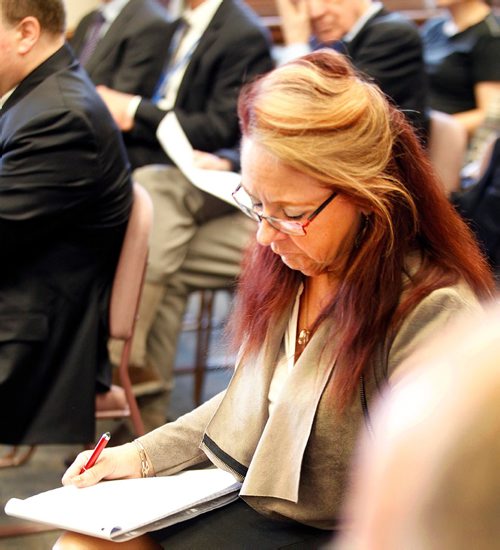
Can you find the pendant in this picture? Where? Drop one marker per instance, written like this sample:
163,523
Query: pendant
303,338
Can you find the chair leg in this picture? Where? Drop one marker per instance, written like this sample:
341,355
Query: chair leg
135,414
203,342
16,457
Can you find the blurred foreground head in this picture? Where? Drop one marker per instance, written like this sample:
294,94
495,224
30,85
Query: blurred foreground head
430,477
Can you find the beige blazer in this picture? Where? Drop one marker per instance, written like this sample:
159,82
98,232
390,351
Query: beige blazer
295,463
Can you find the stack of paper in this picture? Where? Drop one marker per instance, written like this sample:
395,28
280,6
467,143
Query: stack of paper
123,509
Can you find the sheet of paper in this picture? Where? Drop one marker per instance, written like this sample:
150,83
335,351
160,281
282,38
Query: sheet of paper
111,508
175,143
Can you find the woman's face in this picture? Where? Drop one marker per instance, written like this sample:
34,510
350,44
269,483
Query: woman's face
283,192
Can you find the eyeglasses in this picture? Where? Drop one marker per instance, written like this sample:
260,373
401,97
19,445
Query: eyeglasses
290,227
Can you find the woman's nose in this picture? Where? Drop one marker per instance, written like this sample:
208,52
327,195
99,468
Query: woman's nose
266,233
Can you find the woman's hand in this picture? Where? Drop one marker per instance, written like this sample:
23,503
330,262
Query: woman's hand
114,463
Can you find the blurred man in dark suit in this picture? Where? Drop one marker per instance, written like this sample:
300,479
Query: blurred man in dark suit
197,239
123,44
65,197
382,44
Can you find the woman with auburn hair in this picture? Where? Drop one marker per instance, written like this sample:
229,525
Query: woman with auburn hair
359,256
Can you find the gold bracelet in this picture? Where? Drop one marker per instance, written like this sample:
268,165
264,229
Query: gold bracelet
143,457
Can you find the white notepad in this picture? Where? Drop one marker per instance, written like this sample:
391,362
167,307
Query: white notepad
218,183
123,509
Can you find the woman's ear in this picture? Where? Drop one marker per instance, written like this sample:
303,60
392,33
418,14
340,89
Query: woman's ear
28,33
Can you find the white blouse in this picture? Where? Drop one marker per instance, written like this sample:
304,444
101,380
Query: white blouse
286,360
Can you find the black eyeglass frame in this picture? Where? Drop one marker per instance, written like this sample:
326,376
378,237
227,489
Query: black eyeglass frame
290,227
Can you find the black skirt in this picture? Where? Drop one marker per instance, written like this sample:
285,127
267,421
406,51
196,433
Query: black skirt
238,526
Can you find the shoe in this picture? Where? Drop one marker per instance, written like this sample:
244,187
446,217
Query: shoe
145,381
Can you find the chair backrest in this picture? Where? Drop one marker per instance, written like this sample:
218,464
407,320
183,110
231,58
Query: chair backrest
130,271
125,297
447,146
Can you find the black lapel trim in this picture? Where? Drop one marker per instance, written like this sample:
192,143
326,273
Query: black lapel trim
222,455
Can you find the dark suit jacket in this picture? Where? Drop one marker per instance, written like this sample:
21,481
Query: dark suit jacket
131,55
389,50
65,196
234,48
480,206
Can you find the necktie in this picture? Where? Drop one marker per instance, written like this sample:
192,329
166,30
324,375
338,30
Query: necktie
339,46
93,37
173,62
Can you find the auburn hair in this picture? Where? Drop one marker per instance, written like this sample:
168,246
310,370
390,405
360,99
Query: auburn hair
318,115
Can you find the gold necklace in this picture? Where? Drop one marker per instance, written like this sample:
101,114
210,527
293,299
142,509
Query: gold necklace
304,334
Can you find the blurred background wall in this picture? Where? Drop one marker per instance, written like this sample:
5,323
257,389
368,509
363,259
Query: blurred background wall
76,8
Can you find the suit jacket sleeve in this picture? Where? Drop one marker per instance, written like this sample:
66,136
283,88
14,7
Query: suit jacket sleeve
391,54
36,191
182,438
142,60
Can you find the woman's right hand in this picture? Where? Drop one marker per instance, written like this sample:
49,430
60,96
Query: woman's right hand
122,462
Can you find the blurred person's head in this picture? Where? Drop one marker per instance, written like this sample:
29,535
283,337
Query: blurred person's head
429,478
30,32
325,152
332,19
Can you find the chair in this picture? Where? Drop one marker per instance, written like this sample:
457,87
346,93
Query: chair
124,304
119,402
447,147
204,324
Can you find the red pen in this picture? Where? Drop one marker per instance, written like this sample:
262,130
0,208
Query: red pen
97,451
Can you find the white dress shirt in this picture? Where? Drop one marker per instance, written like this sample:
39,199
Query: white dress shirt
6,96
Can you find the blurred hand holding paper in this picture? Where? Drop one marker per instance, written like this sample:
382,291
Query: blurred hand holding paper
175,143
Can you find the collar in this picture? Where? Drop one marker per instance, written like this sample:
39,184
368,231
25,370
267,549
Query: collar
111,10
374,8
62,59
6,96
270,441
199,18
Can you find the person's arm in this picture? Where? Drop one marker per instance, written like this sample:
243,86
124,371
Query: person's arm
391,54
142,59
215,126
295,21
119,105
485,93
167,450
296,29
40,186
433,313
485,73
